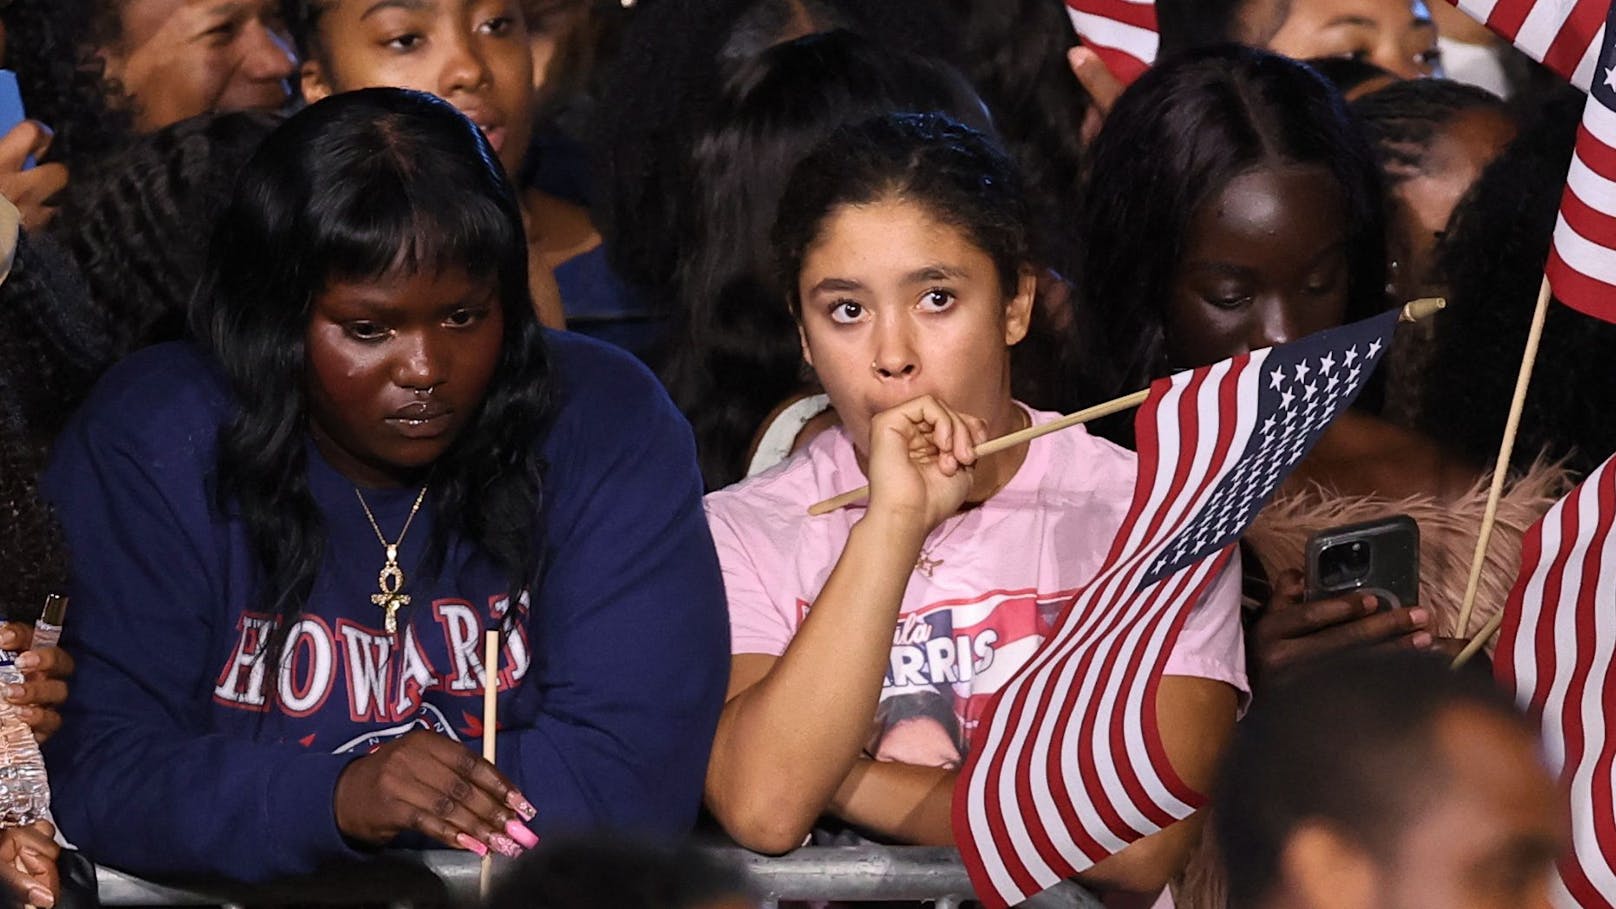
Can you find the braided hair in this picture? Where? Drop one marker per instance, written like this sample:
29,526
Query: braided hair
1402,119
31,547
53,342
138,225
60,80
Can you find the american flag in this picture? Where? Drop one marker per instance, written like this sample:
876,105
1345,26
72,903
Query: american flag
1068,767
1582,261
1555,651
1122,32
1564,35
1570,37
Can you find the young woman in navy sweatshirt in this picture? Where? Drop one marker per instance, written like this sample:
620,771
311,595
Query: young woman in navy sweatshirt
289,537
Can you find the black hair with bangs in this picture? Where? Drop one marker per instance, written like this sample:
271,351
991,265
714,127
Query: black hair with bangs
359,186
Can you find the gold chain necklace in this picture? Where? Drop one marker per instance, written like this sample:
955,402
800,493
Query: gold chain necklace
924,563
391,579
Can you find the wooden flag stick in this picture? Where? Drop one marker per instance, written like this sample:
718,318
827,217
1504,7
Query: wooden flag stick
1413,312
1480,640
1501,466
490,728
992,446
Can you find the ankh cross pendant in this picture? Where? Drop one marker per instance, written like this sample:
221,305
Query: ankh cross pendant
391,582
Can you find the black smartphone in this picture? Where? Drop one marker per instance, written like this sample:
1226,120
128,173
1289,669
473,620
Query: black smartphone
1380,557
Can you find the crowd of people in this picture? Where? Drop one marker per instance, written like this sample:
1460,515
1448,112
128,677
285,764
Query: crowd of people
339,333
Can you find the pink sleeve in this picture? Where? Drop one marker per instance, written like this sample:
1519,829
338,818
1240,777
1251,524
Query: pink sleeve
757,624
1212,645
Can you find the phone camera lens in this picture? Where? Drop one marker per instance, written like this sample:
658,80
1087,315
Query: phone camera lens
1344,565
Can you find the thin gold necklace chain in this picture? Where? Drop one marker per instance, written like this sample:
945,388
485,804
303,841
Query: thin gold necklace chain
393,546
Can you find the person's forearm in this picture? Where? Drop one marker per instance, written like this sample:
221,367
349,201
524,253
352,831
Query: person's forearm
906,802
784,744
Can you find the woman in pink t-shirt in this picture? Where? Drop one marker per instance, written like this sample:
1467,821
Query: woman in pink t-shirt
866,642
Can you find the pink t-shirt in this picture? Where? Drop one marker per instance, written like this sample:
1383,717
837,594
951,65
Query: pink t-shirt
998,574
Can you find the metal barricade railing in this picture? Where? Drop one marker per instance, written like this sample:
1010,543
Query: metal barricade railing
834,873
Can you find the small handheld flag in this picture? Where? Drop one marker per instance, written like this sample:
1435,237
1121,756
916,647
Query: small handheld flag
1069,768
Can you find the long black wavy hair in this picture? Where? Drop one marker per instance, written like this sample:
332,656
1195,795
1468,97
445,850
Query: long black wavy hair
1175,139
736,354
354,188
955,173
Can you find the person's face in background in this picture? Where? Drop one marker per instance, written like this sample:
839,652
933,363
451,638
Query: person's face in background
1265,262
176,59
1488,840
1396,35
549,24
1424,202
472,53
1259,20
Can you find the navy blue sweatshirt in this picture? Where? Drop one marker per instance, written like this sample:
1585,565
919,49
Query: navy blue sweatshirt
173,760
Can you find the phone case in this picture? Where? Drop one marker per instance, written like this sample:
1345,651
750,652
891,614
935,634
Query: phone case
1385,563
11,112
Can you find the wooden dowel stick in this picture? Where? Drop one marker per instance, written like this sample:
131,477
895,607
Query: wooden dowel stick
490,729
1480,640
1501,466
1011,440
1413,312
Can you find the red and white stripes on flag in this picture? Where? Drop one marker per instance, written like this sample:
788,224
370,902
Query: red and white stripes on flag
1582,262
1555,652
1122,32
1575,38
1067,766
1564,35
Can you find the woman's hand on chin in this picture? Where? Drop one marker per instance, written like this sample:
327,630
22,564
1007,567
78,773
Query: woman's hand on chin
921,458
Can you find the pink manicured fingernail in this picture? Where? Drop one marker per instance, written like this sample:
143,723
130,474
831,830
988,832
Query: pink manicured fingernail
1423,639
520,805
467,842
504,845
521,834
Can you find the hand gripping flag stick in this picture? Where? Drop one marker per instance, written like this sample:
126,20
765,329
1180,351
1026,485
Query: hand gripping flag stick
1412,312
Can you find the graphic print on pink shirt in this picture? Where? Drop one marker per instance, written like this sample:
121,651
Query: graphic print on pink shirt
1005,569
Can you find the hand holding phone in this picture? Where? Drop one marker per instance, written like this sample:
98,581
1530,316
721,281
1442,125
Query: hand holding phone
1345,600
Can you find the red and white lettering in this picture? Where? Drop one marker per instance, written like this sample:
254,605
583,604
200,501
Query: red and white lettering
308,665
369,668
415,675
241,683
462,634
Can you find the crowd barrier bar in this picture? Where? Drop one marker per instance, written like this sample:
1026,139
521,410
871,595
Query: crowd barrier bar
866,873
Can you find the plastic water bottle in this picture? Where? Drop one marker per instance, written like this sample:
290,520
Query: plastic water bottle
24,789
24,792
